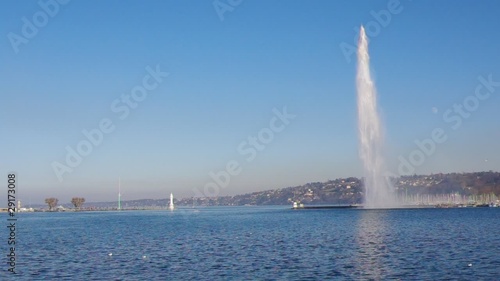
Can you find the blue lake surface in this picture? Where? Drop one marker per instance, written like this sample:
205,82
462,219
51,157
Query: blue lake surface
259,243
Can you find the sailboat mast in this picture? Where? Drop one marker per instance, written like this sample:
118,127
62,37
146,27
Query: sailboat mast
119,195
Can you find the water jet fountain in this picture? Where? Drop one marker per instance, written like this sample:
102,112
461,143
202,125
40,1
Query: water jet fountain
378,192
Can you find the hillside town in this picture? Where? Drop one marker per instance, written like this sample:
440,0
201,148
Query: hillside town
452,189
460,188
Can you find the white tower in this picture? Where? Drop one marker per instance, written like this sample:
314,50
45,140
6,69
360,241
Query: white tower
171,206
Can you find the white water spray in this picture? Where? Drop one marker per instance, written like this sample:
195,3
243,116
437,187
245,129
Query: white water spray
378,192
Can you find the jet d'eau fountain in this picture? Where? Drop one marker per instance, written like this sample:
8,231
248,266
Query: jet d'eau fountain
378,191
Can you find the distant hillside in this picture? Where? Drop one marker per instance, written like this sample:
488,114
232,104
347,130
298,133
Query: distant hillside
463,183
339,191
350,191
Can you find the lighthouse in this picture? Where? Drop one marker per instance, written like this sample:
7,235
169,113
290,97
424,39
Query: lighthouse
171,206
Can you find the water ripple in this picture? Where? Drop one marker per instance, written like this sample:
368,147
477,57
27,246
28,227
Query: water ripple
260,244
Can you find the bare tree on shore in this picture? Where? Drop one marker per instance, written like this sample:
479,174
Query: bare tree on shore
77,202
52,202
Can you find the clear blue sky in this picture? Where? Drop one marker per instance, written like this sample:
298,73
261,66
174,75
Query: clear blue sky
225,78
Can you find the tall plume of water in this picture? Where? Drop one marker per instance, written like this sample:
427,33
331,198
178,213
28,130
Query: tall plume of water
378,191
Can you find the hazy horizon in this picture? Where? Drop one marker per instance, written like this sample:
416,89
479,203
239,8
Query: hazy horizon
264,91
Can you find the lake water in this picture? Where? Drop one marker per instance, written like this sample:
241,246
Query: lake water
259,243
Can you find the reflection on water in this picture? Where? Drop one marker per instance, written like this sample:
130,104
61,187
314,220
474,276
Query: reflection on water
372,239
